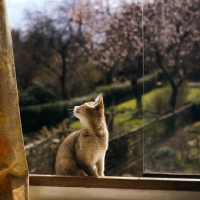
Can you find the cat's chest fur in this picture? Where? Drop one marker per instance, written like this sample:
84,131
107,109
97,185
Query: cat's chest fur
91,147
93,141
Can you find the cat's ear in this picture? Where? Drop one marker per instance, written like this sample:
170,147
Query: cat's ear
99,100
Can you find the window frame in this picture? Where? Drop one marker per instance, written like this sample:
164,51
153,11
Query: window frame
138,183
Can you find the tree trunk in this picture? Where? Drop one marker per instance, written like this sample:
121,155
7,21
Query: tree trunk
173,97
63,88
63,78
171,122
109,77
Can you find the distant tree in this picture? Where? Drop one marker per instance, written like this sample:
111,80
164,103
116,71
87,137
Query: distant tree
120,50
57,42
26,70
169,35
95,19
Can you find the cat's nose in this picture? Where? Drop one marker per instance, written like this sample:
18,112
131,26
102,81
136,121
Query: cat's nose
76,109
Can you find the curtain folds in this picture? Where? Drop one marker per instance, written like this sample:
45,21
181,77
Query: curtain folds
13,166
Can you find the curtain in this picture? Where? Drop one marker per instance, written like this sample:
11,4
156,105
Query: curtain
13,166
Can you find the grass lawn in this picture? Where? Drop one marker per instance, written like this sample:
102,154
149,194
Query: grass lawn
194,95
125,119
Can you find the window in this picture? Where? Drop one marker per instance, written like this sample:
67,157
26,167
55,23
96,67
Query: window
148,51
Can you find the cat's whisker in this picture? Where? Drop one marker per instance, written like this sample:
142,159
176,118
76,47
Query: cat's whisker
71,111
72,116
72,119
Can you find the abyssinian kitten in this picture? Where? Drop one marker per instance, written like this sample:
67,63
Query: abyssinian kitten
83,152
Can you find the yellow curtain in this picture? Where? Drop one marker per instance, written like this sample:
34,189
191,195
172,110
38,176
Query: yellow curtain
13,166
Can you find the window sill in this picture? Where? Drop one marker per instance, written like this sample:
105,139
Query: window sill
62,187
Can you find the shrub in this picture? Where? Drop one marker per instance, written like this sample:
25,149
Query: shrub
164,152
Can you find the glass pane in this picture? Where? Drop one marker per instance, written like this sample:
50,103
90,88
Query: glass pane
172,43
66,53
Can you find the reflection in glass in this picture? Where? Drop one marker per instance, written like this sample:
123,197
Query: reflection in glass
171,41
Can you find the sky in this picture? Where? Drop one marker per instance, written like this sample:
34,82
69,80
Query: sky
16,9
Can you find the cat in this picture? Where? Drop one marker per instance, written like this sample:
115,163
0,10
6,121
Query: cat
82,153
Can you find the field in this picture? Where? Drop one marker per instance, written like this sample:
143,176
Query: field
125,117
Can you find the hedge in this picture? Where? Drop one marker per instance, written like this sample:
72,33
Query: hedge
34,117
